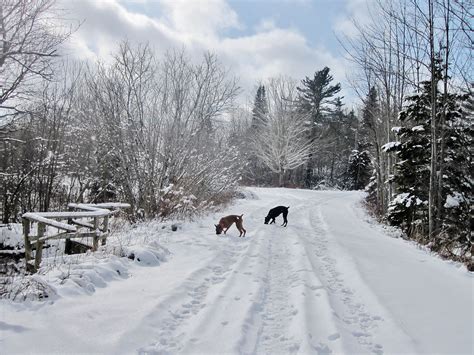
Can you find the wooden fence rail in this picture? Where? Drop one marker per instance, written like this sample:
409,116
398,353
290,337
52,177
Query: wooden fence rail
96,227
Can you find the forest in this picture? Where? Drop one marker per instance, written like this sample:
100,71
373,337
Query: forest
173,137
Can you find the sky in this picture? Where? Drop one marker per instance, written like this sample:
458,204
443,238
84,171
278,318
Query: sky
255,39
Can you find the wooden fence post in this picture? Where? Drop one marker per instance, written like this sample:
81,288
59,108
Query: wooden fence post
105,229
39,245
26,234
95,243
67,242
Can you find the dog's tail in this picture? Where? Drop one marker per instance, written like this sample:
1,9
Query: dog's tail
288,207
241,216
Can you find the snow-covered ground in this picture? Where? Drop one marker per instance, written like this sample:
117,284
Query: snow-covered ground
330,282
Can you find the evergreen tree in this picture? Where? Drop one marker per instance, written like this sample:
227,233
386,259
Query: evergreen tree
342,138
256,173
317,94
317,98
260,108
409,207
359,170
457,187
372,133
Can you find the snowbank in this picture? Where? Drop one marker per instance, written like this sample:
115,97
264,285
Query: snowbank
63,275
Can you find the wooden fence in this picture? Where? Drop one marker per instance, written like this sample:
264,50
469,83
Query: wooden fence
82,221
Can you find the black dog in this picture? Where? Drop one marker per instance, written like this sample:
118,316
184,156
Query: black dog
275,212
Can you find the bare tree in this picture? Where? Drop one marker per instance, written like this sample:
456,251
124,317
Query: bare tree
34,156
159,122
29,43
284,143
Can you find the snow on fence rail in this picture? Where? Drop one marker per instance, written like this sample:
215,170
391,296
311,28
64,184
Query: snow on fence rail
74,228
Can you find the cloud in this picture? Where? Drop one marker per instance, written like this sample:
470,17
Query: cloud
265,51
105,23
356,10
201,18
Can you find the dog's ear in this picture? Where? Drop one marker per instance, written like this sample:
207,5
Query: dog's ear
215,225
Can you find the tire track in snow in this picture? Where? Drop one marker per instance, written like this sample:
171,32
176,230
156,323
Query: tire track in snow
295,303
228,299
206,294
188,299
275,310
275,320
314,326
347,306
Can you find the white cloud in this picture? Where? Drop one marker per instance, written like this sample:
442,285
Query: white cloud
202,18
356,10
200,26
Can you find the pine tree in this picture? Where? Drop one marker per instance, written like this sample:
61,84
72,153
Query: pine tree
260,108
317,93
317,98
256,172
457,198
371,136
359,170
409,207
343,137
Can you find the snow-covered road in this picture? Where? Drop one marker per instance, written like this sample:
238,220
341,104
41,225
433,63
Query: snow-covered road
330,282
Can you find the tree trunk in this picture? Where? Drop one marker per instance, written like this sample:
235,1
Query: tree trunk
433,166
439,205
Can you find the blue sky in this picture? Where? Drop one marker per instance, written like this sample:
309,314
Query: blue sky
255,39
315,19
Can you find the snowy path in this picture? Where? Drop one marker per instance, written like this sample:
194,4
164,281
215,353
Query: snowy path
328,283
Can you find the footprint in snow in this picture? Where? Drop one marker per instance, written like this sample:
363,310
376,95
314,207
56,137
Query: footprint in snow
294,348
334,336
378,349
360,334
322,349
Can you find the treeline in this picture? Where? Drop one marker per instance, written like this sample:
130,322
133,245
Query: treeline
299,134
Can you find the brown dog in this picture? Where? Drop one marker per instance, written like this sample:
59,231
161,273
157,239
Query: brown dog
226,222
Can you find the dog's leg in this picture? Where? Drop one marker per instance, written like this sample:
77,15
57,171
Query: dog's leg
240,227
238,224
285,221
